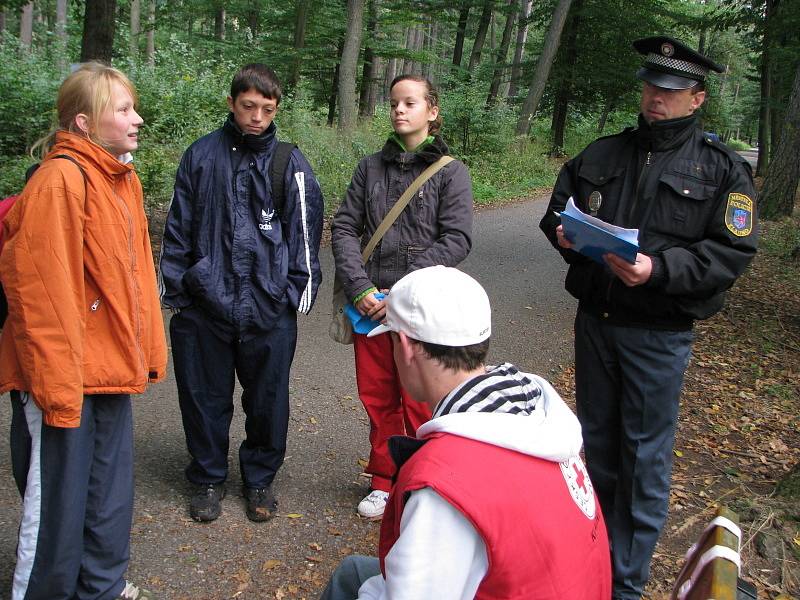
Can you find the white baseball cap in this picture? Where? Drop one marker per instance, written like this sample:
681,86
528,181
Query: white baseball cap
438,305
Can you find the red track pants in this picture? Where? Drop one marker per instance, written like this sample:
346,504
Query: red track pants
391,410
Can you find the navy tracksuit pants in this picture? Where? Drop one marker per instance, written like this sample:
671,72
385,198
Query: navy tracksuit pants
77,488
206,362
627,384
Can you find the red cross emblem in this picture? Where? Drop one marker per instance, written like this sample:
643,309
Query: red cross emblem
579,485
580,477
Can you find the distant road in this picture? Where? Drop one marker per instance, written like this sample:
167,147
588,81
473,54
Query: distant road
751,156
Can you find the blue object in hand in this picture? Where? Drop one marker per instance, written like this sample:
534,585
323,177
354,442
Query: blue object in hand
361,323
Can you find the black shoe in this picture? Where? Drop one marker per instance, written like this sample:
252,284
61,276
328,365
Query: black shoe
204,505
261,503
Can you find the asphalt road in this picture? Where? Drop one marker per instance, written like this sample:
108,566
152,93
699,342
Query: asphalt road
751,156
320,483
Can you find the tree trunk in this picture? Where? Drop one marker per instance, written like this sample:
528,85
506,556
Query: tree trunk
492,33
778,195
480,36
419,41
502,52
219,23
348,64
150,36
763,113
300,23
369,72
136,13
391,73
609,105
26,25
429,44
408,64
252,21
566,69
564,91
458,49
61,33
543,65
2,20
99,26
522,37
776,116
332,97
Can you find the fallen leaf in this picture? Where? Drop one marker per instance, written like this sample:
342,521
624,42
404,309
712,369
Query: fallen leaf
270,564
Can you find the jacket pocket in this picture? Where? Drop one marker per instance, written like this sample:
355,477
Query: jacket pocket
411,254
599,190
683,206
196,279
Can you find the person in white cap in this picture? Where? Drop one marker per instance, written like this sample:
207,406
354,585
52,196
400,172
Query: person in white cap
491,499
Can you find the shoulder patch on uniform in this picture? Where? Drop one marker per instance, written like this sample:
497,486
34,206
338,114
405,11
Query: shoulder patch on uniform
739,214
579,485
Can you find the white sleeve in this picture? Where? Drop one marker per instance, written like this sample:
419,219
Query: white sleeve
439,554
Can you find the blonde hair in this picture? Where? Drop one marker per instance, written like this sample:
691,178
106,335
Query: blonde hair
88,91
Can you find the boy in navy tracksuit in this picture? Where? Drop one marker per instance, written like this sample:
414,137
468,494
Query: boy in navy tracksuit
239,260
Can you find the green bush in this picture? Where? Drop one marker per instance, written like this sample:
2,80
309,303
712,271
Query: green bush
29,82
737,145
12,173
183,98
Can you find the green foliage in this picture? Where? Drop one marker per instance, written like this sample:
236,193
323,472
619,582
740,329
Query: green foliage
783,240
29,83
12,173
737,145
521,168
182,95
469,127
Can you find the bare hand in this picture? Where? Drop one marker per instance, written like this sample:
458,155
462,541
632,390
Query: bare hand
630,274
562,239
370,306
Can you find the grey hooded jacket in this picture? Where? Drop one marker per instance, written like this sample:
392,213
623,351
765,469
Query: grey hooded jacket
434,229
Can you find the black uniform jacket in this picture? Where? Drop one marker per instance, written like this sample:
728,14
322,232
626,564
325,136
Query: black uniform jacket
693,201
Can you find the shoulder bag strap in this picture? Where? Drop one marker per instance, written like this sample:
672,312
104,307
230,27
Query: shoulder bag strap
392,215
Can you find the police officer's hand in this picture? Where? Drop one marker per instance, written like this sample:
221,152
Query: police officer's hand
372,307
630,274
562,239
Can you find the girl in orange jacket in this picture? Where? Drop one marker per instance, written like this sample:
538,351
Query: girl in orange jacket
84,331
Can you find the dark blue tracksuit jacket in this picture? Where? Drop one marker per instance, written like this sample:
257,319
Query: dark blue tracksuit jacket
227,249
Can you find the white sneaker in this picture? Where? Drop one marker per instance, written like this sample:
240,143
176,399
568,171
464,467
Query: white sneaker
131,592
373,505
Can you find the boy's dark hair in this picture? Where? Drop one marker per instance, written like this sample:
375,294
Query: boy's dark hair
458,358
259,77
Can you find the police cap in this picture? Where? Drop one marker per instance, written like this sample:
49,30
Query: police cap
672,65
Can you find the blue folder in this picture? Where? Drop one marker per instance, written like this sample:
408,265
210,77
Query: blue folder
361,323
594,238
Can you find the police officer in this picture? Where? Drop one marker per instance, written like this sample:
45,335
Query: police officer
693,202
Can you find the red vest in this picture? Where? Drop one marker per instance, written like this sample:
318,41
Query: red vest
542,526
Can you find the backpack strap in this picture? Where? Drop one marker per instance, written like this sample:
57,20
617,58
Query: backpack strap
35,167
80,168
277,170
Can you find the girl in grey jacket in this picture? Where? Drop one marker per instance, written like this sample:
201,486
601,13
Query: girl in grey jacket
434,229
